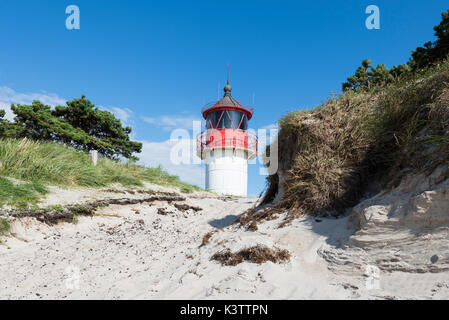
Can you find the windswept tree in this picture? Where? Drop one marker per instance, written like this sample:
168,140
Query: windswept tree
361,78
37,122
435,51
2,122
80,125
380,74
7,129
442,33
400,70
100,124
366,76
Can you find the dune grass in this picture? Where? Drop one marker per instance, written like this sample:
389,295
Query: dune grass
20,194
39,164
4,226
329,155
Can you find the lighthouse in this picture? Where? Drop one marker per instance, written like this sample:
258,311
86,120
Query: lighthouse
226,145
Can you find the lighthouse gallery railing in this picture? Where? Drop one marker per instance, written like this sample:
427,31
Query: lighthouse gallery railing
227,138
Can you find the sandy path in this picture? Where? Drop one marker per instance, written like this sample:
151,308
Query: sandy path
132,252
123,252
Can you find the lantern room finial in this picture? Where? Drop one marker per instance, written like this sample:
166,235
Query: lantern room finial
227,88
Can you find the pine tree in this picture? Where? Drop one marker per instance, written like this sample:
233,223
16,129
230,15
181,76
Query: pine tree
79,125
100,124
433,52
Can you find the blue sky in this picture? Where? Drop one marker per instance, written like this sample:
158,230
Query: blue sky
155,63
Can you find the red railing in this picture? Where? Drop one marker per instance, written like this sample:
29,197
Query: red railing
226,138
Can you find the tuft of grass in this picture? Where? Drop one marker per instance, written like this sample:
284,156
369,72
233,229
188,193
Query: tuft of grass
40,164
4,226
56,207
206,238
20,194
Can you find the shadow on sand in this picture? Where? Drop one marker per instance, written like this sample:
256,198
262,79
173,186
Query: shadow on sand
223,222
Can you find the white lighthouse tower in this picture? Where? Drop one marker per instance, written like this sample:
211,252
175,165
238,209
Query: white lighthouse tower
226,145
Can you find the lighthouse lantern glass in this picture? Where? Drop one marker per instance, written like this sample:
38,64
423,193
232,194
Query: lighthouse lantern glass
227,119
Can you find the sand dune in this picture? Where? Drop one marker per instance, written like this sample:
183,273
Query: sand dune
135,252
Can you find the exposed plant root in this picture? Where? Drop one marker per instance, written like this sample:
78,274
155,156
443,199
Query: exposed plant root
68,213
254,215
206,238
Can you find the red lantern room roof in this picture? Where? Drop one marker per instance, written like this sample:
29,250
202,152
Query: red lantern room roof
227,103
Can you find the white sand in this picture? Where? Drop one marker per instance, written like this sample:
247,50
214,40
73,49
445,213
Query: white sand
121,254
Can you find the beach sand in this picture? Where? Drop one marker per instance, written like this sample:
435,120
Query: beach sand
134,252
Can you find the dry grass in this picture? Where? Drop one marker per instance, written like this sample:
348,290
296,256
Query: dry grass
252,216
257,254
206,238
185,207
329,155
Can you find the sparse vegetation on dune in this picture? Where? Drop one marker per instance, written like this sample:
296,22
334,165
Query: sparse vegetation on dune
26,167
385,124
329,156
4,226
71,213
20,194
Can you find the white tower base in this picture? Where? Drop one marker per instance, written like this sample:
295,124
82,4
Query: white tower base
227,171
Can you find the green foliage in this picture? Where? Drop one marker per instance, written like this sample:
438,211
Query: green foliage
2,122
400,70
4,226
37,122
100,125
366,76
435,51
20,194
79,125
56,207
48,163
381,74
7,129
361,78
159,176
331,155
